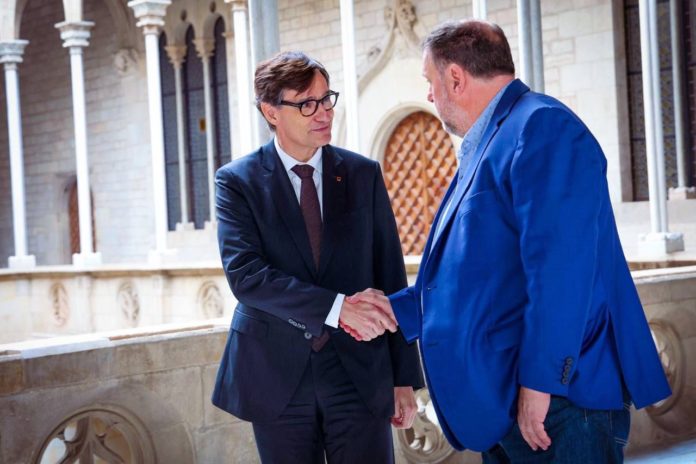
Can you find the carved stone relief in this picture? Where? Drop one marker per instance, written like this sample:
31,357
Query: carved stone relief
95,436
400,40
424,442
125,61
128,301
210,300
60,305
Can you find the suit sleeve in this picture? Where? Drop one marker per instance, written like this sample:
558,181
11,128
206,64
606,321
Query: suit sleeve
390,276
555,177
253,281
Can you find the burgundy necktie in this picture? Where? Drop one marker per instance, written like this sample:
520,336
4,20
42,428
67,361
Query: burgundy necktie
309,204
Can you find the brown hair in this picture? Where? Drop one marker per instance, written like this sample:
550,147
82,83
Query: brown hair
285,71
479,47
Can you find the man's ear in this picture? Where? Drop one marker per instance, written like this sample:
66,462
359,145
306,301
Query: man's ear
270,112
456,78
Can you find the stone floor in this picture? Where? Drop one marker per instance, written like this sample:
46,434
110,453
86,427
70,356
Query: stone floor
682,453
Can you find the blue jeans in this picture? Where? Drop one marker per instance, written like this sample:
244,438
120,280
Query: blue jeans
578,435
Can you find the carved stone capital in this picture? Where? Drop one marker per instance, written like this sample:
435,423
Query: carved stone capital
12,51
204,47
176,55
238,5
75,33
150,14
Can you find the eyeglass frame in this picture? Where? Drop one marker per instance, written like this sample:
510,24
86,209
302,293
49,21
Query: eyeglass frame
317,102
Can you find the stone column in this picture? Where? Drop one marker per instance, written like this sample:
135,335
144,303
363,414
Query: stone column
350,75
480,9
531,46
205,49
244,94
683,190
177,56
150,15
10,56
75,37
265,42
659,241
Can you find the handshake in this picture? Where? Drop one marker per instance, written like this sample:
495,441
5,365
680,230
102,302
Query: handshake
367,315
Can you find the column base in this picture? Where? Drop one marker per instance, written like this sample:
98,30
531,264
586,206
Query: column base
682,193
21,262
210,225
161,257
660,243
185,226
87,259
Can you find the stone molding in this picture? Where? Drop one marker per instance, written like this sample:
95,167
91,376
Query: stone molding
12,51
60,304
129,302
75,34
210,300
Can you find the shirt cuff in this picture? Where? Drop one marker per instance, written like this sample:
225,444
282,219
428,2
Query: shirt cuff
332,318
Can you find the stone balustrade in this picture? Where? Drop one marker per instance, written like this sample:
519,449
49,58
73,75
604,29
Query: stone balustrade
143,394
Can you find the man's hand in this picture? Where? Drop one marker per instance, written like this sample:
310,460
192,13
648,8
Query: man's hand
532,407
405,407
364,321
375,298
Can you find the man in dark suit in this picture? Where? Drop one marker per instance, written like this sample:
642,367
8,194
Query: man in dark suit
530,327
301,224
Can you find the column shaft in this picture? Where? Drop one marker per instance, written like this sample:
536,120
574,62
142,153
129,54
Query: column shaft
181,143
244,95
154,98
209,135
350,81
525,42
14,125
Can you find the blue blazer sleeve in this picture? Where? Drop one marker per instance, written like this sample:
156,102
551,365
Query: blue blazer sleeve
253,281
556,203
390,276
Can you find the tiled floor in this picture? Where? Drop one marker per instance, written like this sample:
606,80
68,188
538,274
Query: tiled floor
683,453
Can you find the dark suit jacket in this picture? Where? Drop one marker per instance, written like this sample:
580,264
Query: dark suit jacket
284,299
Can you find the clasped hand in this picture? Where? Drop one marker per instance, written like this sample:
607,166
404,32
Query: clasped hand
367,315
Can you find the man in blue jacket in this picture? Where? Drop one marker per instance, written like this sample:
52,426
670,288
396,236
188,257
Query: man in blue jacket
533,339
301,224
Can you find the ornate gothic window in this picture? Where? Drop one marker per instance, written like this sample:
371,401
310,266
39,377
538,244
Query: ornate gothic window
419,162
635,94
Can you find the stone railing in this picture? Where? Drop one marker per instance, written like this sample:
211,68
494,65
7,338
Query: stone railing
60,300
143,394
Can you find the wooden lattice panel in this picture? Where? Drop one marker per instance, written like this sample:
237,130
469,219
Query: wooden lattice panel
419,163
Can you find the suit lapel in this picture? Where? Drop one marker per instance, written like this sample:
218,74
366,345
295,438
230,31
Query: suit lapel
334,183
286,203
507,101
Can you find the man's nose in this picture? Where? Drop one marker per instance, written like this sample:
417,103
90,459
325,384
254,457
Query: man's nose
323,114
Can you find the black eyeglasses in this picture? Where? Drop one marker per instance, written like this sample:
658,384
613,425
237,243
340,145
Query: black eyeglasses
310,106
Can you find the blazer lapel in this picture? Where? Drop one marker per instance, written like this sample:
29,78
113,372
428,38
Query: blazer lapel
507,101
334,183
285,200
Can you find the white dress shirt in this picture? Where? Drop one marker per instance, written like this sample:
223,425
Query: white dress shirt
315,161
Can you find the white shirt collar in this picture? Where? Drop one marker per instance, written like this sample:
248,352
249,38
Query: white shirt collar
289,162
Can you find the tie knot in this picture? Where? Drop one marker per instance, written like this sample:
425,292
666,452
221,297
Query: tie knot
304,171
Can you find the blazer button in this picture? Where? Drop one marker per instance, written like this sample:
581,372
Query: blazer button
569,361
565,381
566,370
307,335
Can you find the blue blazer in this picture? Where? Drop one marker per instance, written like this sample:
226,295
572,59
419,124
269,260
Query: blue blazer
284,299
527,283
